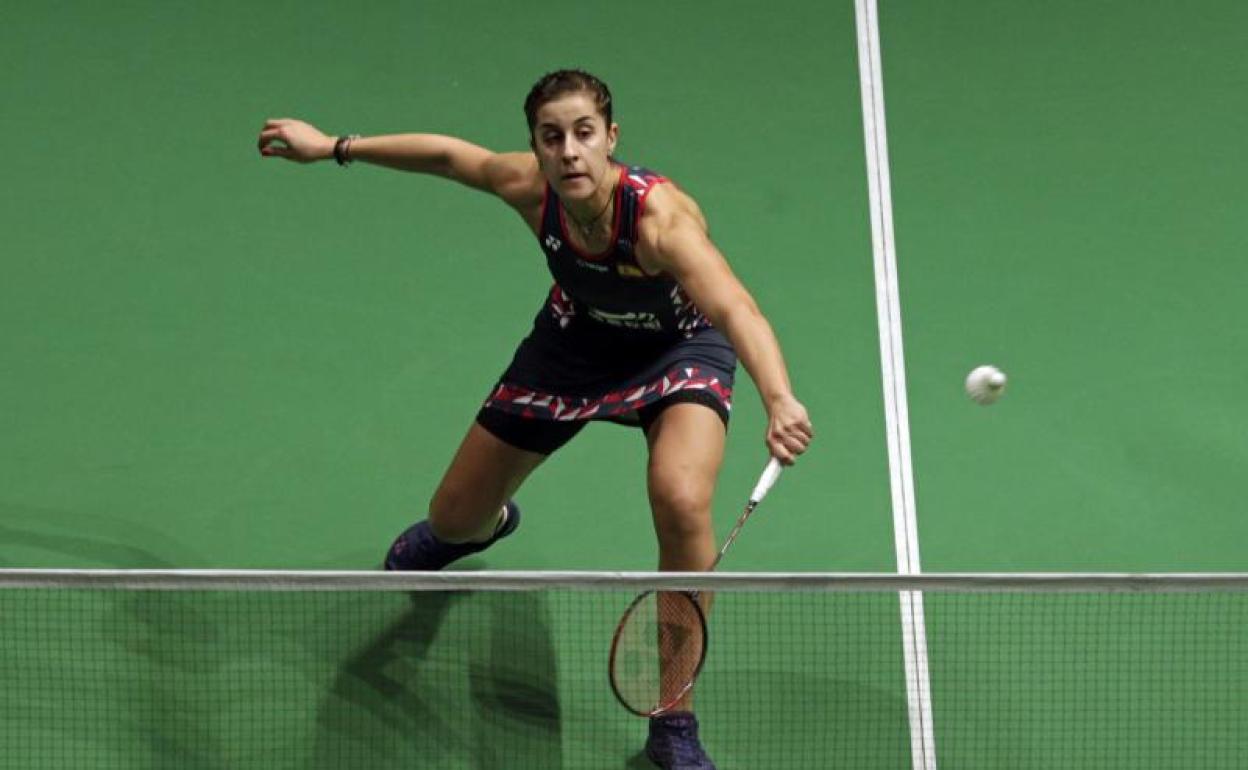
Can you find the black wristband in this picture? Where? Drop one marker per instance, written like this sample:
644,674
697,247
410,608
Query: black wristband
342,149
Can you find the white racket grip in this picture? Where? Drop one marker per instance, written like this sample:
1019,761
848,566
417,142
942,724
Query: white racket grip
765,482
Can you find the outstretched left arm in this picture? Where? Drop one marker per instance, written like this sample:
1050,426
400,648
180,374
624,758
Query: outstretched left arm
675,241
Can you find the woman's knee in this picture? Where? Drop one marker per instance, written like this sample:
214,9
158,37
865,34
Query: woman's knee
682,508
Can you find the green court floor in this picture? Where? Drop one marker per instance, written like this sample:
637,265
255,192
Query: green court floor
214,360
226,361
1067,186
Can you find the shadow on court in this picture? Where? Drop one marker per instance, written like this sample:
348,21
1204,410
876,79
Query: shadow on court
274,679
80,539
463,680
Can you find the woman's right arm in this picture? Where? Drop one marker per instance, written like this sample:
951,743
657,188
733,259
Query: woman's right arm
507,175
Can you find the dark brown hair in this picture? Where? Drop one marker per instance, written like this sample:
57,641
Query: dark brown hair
560,83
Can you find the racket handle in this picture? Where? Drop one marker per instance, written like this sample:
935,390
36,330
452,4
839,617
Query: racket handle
765,482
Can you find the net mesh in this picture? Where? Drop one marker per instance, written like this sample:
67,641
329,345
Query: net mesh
465,677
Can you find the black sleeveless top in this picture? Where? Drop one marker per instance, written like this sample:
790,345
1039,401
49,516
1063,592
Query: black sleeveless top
611,288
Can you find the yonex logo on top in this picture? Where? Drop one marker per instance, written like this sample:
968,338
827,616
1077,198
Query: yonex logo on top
638,320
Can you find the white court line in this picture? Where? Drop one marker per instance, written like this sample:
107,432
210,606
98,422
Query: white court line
892,363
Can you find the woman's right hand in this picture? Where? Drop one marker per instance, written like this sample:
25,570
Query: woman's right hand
294,140
789,431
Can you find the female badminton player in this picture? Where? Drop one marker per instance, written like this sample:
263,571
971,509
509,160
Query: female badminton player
643,326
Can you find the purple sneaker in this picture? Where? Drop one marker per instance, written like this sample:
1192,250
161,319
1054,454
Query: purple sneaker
674,745
419,549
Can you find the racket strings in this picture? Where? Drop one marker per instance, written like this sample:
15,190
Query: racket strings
660,646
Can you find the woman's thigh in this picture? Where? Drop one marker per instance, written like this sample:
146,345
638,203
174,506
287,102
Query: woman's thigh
686,452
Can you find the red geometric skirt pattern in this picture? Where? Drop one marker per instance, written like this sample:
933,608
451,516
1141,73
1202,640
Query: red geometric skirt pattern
547,406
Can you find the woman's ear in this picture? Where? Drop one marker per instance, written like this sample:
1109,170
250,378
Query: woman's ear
613,137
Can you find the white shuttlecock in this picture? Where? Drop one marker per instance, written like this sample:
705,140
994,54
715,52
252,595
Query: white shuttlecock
985,384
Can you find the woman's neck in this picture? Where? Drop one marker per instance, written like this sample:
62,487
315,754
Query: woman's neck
595,214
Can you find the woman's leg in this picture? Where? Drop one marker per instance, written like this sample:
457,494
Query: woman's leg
471,507
686,450
484,474
686,443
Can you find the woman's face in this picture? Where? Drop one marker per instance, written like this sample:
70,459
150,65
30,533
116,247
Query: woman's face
574,145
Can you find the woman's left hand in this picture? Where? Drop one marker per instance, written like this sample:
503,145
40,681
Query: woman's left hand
789,431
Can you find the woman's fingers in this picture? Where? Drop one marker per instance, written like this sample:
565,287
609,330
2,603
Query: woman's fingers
786,446
789,431
267,137
292,139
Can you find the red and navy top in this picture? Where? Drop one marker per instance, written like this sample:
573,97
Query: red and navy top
612,288
611,337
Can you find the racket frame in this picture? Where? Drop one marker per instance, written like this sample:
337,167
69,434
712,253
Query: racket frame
663,707
768,478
